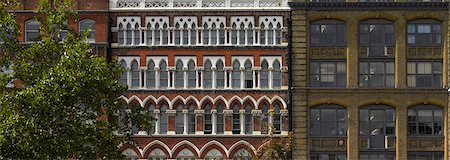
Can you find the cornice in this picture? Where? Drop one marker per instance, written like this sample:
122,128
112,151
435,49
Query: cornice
371,6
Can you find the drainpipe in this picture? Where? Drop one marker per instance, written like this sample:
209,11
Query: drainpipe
290,87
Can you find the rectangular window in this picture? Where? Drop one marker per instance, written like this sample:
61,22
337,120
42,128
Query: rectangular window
424,74
424,33
208,123
328,33
376,74
236,123
328,74
191,126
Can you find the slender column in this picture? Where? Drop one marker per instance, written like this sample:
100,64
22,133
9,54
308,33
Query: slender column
400,54
145,35
270,77
271,112
185,122
256,122
157,77
245,37
129,77
402,132
353,132
214,121
132,36
242,77
274,37
125,36
266,36
161,36
199,123
228,122
254,77
156,112
214,77
153,37
352,54
185,77
144,70
171,121
242,120
254,35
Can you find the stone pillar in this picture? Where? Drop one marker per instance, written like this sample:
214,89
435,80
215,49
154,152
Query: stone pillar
214,121
401,130
353,132
185,77
143,70
157,77
270,77
199,122
185,121
242,69
400,53
242,120
352,53
256,122
228,122
214,77
171,121
156,112
271,112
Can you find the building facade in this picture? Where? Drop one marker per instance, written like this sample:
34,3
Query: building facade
212,73
369,80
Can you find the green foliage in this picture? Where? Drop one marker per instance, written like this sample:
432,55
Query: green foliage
275,148
65,105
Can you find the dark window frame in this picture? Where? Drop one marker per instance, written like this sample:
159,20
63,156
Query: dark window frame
336,74
433,35
367,73
434,76
416,121
337,122
337,33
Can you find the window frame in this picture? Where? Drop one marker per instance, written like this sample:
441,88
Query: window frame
335,24
336,75
417,121
434,76
432,34
337,122
384,74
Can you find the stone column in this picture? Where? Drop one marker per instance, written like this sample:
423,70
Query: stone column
270,120
228,122
270,77
199,125
171,121
256,121
401,130
352,54
400,53
156,112
143,70
242,120
353,131
214,77
157,77
185,77
128,76
185,122
214,121
242,69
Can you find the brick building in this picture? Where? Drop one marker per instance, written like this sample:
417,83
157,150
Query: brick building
212,72
370,80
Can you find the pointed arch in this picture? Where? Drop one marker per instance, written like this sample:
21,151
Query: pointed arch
137,99
241,145
220,99
213,144
205,100
163,99
149,99
178,99
249,100
263,99
234,99
156,144
281,100
189,145
192,99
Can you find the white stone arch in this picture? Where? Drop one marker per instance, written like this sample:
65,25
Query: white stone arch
241,142
186,59
123,143
134,97
220,97
188,20
202,101
279,99
246,20
159,143
274,20
260,147
164,98
148,98
176,99
179,144
151,22
232,100
132,20
271,59
203,149
243,59
157,60
216,20
213,60
258,103
187,99
251,99
129,59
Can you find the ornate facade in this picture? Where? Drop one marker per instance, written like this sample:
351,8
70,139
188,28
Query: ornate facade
213,74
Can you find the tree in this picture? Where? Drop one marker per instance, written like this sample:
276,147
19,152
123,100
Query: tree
275,148
67,100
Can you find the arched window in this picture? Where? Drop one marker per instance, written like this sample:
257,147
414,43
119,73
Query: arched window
328,33
276,74
130,154
121,32
163,121
165,34
157,154
250,34
177,34
193,36
213,154
220,74
242,34
151,79
129,33
264,75
242,154
248,119
248,74
135,74
185,154
157,36
377,124
278,34
88,24
163,75
236,76
234,34
179,75
236,119
262,34
179,120
328,120
214,34
150,35
207,75
137,35
191,74
425,120
191,119
265,119
276,118
206,34
220,119
377,35
208,119
185,33
222,34
151,110
32,30
270,34
124,76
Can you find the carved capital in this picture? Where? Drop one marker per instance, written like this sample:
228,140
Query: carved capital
185,111
257,112
284,112
171,112
227,112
